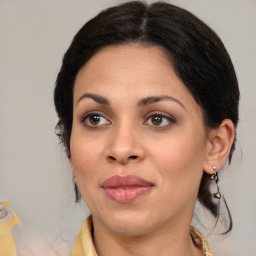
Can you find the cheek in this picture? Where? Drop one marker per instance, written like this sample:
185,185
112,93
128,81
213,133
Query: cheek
180,160
179,166
85,155
85,166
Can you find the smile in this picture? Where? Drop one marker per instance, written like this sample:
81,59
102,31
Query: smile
125,189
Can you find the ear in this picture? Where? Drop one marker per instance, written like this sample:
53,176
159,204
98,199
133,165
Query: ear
220,141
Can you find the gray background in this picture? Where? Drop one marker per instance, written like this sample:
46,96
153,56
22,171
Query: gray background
34,173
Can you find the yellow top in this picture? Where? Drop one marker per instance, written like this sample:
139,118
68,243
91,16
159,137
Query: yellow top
84,245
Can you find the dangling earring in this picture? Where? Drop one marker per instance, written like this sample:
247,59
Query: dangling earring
215,178
76,189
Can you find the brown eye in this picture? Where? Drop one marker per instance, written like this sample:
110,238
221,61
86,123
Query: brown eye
156,120
94,119
160,120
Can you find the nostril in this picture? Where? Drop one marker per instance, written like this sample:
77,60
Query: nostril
111,158
133,157
121,159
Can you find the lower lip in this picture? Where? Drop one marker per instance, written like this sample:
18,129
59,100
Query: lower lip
126,195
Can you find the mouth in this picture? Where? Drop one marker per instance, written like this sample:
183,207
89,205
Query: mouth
126,189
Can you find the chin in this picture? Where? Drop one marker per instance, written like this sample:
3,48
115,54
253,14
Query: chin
129,223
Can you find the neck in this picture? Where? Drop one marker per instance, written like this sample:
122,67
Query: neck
169,240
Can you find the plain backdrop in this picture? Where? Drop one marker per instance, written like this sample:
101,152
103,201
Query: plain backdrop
34,173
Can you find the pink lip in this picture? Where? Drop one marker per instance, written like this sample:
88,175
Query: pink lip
125,189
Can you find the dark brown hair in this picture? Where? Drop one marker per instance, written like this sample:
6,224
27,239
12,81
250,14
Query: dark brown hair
195,50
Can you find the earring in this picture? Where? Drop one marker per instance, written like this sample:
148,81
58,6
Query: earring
215,178
76,189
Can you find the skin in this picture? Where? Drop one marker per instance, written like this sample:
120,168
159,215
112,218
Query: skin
171,153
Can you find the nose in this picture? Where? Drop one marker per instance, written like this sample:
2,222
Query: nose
125,145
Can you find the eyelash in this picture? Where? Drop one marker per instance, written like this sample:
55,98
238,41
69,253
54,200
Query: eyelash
162,115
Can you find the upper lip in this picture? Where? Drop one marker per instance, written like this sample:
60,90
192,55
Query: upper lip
118,181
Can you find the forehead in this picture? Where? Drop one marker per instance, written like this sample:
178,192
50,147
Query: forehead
125,69
117,61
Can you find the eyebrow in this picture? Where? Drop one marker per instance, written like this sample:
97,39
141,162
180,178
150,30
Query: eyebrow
154,99
99,99
143,102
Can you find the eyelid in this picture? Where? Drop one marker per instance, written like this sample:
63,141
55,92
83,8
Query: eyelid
161,113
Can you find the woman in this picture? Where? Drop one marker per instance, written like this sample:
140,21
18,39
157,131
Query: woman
147,100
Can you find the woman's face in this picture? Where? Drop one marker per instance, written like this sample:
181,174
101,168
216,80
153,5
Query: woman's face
138,142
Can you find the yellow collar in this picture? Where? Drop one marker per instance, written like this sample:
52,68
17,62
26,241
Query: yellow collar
84,244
